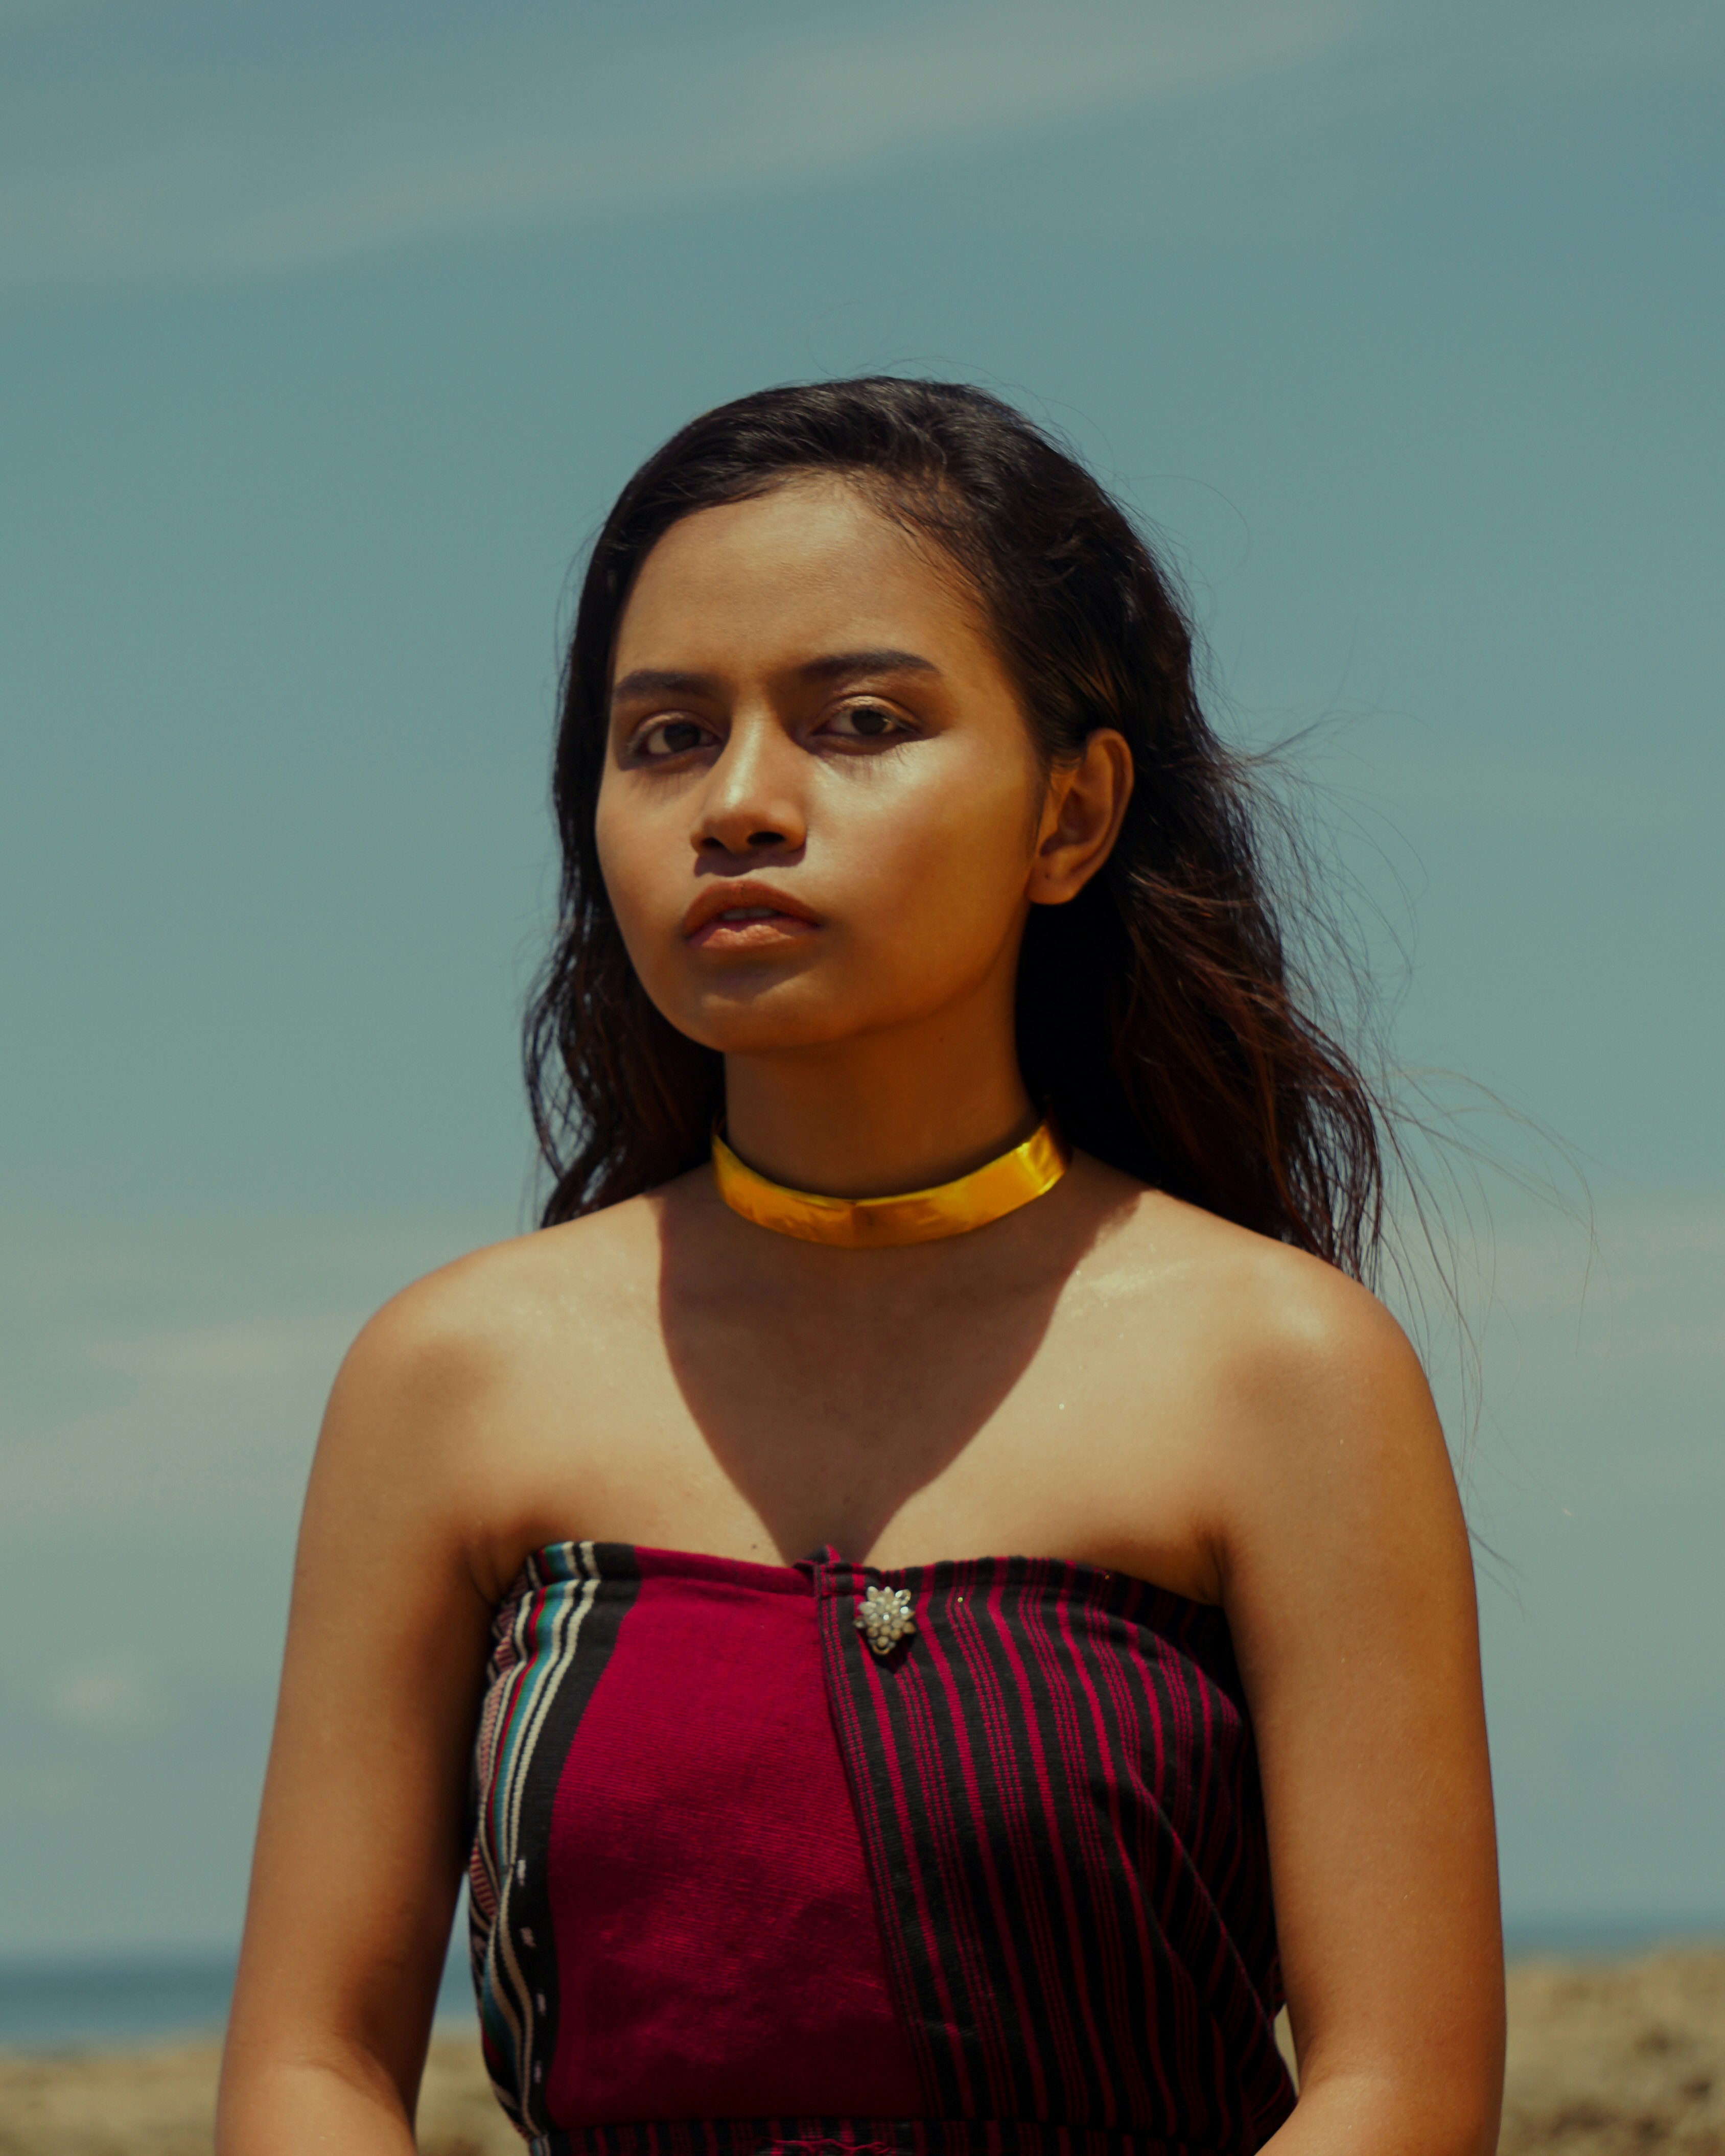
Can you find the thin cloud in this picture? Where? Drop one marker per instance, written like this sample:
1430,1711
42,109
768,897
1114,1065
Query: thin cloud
179,1381
109,1699
258,1350
1648,1307
222,187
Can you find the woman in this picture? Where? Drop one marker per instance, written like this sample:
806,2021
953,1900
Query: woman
958,1584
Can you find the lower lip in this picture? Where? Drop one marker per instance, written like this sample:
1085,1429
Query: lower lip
766,932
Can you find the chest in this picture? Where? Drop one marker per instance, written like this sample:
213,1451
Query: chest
904,1428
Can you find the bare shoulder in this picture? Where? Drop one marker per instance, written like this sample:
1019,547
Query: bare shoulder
436,1384
1313,1400
471,1320
1267,1312
1298,1342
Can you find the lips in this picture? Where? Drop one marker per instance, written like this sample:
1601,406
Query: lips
745,914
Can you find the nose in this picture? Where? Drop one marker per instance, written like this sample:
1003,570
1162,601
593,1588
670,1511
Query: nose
751,803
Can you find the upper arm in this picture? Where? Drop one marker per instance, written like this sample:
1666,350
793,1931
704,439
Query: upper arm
359,1844
1348,1585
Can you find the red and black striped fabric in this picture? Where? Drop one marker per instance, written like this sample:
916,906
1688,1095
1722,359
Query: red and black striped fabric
740,1885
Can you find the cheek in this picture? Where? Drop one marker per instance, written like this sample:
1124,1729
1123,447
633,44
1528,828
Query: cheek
976,821
625,864
607,837
948,859
627,844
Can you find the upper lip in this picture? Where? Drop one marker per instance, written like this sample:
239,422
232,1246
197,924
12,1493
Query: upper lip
727,897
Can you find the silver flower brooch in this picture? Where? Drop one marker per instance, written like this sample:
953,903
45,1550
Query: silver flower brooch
884,1618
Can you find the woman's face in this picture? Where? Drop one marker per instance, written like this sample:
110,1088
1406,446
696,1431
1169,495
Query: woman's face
820,814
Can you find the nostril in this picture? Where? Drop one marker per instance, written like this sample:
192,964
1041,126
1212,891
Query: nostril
766,838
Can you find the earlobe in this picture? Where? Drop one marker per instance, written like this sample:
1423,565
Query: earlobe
1086,807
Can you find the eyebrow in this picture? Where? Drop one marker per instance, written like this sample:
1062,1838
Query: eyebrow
835,666
654,681
842,664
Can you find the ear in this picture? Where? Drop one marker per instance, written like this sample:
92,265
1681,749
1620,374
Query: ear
1081,819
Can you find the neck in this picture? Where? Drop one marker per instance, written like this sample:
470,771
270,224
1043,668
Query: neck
873,1118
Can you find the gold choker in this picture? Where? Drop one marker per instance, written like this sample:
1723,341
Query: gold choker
988,1193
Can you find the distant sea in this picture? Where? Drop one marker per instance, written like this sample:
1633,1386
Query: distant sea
140,1998
68,2004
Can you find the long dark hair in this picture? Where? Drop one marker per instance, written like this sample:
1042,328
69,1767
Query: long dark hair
1157,1013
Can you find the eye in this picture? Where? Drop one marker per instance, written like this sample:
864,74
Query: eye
667,737
865,723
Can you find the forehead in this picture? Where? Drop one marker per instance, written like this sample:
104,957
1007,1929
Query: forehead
813,564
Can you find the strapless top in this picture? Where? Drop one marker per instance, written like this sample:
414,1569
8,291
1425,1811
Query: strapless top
745,1879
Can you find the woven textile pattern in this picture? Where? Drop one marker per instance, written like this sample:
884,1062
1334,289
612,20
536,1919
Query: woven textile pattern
1045,1912
549,1649
1060,1796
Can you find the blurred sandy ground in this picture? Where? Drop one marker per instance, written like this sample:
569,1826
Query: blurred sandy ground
1604,2059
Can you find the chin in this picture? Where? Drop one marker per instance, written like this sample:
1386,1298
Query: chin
772,1018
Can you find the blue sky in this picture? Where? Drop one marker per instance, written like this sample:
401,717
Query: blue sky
326,334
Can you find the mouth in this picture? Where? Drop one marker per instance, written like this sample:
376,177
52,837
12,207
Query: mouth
743,919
